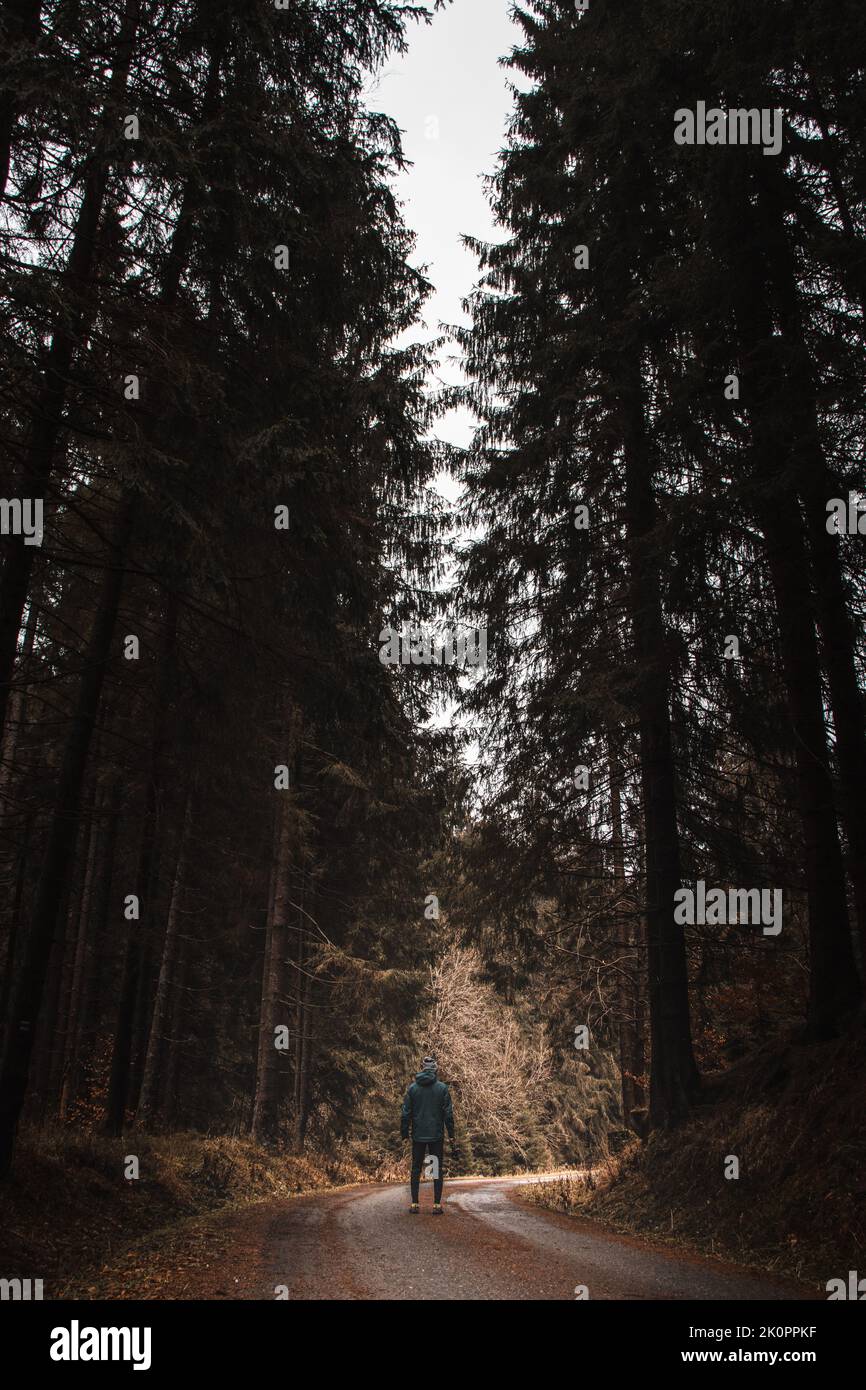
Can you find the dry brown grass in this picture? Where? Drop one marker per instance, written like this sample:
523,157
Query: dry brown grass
796,1119
68,1206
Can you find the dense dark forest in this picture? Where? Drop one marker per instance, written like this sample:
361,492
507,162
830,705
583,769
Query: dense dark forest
667,357
251,872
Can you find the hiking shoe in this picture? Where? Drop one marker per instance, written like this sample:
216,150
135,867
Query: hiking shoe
437,1208
414,1209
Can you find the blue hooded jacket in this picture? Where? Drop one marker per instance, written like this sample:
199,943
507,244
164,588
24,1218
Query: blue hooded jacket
427,1109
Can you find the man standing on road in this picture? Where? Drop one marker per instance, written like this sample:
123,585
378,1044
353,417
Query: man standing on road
427,1110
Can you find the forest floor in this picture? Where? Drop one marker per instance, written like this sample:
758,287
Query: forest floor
362,1244
69,1209
795,1118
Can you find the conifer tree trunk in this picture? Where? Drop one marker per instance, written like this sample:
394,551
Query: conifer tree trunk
834,989
149,1099
27,995
816,487
174,1042
101,947
15,863
674,1077
630,1059
273,1011
15,916
298,962
139,932
74,928
83,949
16,712
262,1037
846,698
302,1114
37,1096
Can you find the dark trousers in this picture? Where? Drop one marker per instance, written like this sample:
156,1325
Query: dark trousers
419,1149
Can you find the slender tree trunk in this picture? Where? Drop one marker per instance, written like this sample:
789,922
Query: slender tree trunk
631,1064
16,712
83,950
175,1041
27,995
14,857
846,700
74,926
145,994
273,1011
148,1105
16,913
262,1036
137,955
37,1096
834,989
303,1109
674,1079
91,1008
299,963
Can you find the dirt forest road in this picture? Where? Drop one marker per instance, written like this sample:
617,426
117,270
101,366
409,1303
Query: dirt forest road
361,1244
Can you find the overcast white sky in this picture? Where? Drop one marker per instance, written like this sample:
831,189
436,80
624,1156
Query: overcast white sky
449,97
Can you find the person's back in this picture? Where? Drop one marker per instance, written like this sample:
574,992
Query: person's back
428,1113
